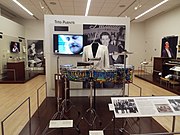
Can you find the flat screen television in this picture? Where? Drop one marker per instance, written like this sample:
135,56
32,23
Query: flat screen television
14,47
69,44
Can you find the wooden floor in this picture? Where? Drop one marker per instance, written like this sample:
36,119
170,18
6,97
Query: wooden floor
12,95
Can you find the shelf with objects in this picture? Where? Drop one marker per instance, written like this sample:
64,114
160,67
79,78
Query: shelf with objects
166,73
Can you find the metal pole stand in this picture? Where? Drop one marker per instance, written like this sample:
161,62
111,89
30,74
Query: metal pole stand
62,109
66,105
90,115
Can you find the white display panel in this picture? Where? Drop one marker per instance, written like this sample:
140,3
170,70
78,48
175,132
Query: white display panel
146,106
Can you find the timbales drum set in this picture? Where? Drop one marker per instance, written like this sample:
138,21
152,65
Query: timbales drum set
116,74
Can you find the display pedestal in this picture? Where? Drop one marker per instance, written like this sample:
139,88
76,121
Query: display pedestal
15,70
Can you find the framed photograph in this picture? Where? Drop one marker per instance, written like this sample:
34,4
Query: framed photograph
112,36
35,53
168,47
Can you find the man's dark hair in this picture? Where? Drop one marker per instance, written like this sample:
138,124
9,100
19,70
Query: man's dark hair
105,33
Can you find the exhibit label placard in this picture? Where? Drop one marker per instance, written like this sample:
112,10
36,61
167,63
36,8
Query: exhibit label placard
146,106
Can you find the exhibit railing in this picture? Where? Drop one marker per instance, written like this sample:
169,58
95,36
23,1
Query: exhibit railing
137,86
29,114
38,100
29,107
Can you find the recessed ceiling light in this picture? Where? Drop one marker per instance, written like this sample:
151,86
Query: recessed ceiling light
135,8
52,3
122,6
138,6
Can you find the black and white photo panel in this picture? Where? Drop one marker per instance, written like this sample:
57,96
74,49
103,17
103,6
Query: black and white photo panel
35,53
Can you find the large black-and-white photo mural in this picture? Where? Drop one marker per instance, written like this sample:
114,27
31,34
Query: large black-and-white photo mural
35,53
112,36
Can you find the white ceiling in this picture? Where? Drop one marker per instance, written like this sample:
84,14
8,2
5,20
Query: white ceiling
114,8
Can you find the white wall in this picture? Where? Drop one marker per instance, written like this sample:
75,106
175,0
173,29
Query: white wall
167,24
11,31
34,29
137,42
10,28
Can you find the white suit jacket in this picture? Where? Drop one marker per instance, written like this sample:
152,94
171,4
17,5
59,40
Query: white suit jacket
102,52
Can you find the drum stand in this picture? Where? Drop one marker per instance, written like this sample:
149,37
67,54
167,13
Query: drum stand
90,115
64,107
